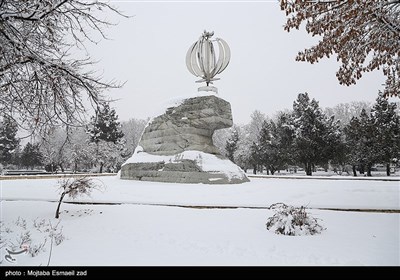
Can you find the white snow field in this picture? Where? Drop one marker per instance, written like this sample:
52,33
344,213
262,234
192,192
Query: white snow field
136,233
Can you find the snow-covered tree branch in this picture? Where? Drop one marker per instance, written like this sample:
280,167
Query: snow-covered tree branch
364,34
41,84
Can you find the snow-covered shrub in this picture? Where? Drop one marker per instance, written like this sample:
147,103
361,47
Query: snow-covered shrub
33,237
290,220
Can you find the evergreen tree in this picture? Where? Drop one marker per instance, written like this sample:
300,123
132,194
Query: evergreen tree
105,126
362,142
105,132
276,143
368,148
232,145
352,143
8,139
315,135
255,156
332,145
268,147
31,155
284,136
387,125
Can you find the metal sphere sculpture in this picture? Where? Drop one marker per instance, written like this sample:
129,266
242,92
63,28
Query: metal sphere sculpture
201,59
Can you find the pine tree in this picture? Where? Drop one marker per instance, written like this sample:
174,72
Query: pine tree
315,135
331,141
368,136
8,139
232,145
284,136
31,155
387,125
276,143
105,126
267,147
105,132
352,143
255,156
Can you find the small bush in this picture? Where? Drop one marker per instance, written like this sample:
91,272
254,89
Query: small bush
31,237
290,220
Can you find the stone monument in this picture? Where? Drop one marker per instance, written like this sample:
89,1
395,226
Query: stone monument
176,145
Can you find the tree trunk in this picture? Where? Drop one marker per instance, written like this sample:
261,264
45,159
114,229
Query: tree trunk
388,169
362,169
101,167
267,171
369,166
254,169
62,168
354,171
59,204
272,170
308,167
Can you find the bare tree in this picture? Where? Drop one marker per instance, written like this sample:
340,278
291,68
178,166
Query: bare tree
41,84
344,112
54,148
75,187
364,34
133,130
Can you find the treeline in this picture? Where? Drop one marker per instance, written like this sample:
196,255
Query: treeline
102,146
308,136
348,137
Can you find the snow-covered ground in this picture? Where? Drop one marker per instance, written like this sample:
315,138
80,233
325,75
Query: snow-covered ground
135,234
346,194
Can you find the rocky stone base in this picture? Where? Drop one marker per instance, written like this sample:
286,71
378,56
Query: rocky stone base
180,172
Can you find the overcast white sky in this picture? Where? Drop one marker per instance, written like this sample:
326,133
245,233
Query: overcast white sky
148,52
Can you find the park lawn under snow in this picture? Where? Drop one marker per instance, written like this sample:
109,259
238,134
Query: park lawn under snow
345,194
130,234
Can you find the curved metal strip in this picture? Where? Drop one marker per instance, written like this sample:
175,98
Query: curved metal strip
188,59
227,56
200,57
212,59
194,60
221,57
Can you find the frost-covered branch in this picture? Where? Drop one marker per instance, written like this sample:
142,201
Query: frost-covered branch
41,84
364,34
